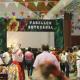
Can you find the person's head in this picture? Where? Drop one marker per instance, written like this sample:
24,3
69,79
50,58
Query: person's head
75,48
19,45
9,51
29,48
45,47
48,71
63,52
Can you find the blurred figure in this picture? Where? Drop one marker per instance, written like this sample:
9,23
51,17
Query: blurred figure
53,51
1,62
7,57
78,63
3,70
45,56
71,60
29,58
15,70
48,71
64,62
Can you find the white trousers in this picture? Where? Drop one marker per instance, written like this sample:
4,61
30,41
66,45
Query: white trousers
78,68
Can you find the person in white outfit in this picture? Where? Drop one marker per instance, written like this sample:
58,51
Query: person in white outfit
64,62
7,58
78,64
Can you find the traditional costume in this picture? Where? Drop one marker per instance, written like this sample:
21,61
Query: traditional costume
16,71
3,71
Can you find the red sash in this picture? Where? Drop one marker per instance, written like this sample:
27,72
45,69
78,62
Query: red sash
20,70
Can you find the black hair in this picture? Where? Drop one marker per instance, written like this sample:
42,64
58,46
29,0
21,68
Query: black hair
47,69
29,48
45,47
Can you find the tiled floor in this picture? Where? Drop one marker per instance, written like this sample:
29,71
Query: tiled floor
26,75
73,76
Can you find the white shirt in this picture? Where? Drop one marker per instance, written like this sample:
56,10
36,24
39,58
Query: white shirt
1,62
78,54
64,57
45,56
6,57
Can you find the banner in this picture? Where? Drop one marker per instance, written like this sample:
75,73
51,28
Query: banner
55,26
40,25
59,39
31,25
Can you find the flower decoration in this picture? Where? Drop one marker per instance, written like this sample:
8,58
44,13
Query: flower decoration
13,25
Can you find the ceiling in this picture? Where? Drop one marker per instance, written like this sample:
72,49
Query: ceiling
39,5
73,7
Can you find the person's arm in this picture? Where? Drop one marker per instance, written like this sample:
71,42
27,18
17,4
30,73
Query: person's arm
36,62
78,54
63,76
56,62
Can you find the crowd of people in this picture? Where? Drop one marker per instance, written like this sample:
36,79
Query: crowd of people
48,64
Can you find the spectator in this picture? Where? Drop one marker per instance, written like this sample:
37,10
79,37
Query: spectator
54,52
7,58
45,56
48,71
78,63
15,70
64,62
29,58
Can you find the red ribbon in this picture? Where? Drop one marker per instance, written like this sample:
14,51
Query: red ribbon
20,70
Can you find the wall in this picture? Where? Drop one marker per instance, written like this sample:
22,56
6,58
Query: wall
70,39
75,24
33,39
75,35
75,40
